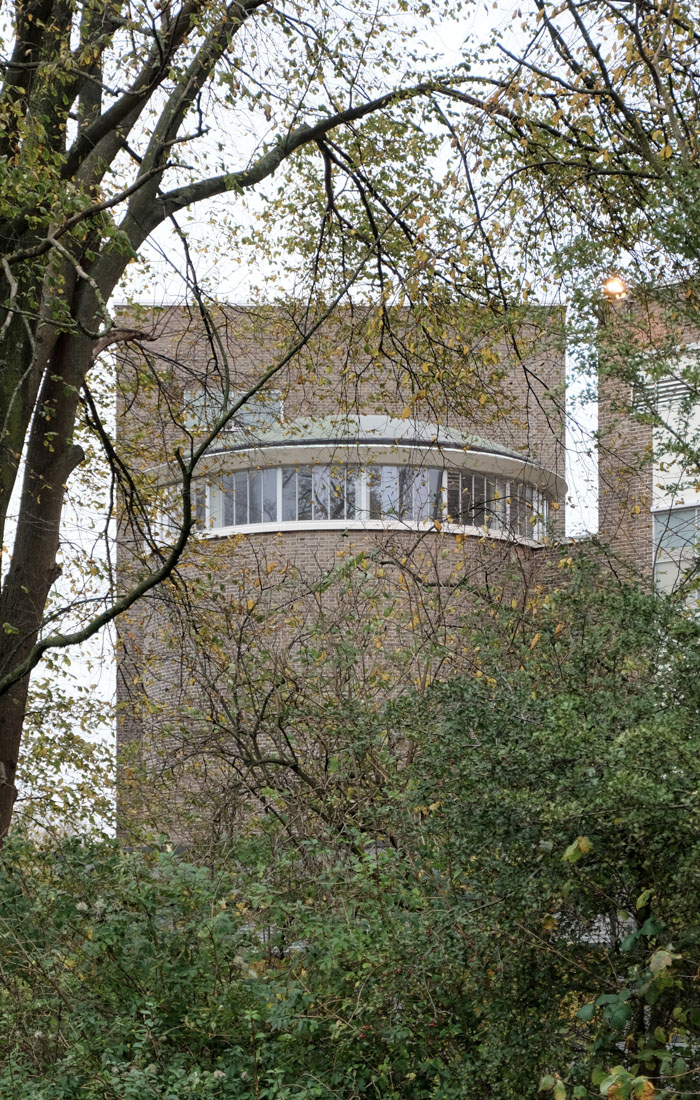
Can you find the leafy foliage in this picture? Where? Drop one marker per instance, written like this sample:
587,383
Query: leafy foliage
517,907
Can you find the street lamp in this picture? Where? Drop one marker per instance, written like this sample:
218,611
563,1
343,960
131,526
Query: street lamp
615,288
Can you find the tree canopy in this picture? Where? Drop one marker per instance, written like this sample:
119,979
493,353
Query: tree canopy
540,161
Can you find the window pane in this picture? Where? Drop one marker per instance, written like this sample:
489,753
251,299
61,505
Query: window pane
216,507
479,505
289,494
202,407
374,481
459,496
668,575
337,492
255,484
427,490
384,502
540,509
496,504
512,503
351,492
269,507
200,505
676,530
466,515
227,490
408,479
435,490
391,502
322,481
454,496
529,498
241,497
259,411
169,517
304,485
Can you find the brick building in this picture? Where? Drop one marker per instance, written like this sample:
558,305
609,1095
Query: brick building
649,429
381,490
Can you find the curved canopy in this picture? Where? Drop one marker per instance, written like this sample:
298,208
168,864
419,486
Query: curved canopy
377,430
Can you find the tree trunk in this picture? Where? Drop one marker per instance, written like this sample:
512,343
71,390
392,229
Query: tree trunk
51,458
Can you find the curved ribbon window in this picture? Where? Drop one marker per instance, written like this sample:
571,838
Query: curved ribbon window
408,494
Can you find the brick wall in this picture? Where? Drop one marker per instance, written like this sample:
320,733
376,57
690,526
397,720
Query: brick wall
295,618
625,482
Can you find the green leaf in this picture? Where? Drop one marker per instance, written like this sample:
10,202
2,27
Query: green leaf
546,1084
607,1083
619,1016
580,847
572,853
660,961
651,927
586,1012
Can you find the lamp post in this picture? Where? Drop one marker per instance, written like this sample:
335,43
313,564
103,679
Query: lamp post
615,288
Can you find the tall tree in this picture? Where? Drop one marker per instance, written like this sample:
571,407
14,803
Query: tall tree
108,124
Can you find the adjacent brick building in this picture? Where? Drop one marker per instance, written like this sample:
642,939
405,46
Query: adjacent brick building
649,427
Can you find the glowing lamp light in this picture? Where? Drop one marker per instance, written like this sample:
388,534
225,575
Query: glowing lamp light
615,288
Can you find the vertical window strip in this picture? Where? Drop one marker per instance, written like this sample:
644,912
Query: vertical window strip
321,491
199,505
337,492
304,492
269,496
227,489
289,493
352,492
241,498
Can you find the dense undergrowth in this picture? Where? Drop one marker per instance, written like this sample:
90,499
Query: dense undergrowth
521,916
